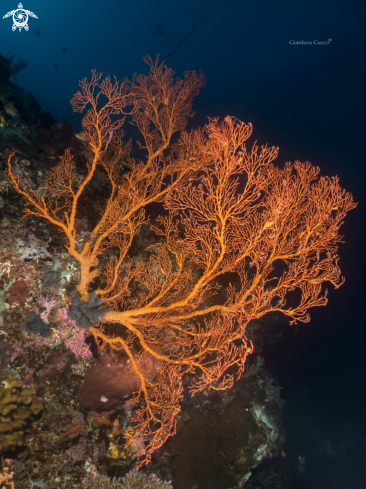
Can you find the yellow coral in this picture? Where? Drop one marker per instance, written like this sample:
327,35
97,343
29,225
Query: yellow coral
16,405
6,477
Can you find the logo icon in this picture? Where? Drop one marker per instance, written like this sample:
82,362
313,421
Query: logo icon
20,18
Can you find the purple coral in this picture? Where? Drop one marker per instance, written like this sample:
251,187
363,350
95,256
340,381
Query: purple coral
77,345
63,315
74,336
47,304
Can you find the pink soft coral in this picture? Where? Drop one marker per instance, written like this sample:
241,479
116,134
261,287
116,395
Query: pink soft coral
48,304
68,325
74,336
78,346
63,315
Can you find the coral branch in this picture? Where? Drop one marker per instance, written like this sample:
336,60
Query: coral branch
240,238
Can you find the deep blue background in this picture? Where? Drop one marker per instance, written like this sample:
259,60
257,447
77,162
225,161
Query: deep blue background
309,101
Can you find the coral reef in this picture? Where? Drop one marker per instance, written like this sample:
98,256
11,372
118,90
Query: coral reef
77,345
232,219
110,381
18,292
46,364
133,480
6,477
87,416
16,406
35,324
86,313
222,436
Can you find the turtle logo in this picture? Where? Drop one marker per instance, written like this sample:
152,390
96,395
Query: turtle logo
20,18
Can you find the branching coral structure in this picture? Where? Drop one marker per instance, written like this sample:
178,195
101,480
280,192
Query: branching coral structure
133,480
240,238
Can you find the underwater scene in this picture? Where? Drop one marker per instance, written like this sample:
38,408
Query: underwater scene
182,244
